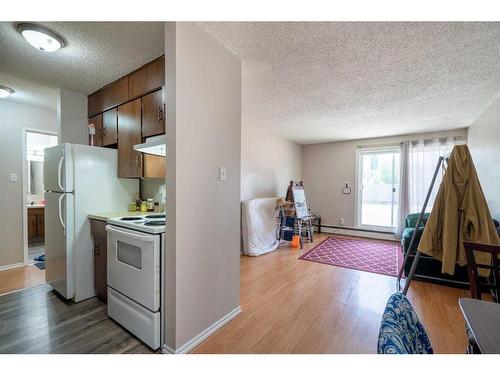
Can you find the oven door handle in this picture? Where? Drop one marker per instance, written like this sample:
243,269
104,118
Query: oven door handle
130,234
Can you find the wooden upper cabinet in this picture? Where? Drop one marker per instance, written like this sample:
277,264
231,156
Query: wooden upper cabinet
97,121
129,134
153,114
109,127
108,97
154,166
144,80
149,78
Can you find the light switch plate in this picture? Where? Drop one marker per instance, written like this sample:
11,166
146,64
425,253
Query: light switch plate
222,174
13,177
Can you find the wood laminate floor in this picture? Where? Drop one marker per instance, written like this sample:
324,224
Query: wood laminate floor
36,320
20,278
289,306
296,306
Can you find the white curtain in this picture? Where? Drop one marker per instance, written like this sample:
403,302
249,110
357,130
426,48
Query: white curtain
423,157
403,206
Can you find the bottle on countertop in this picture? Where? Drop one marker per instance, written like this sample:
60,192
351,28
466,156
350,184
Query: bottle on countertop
132,207
137,202
151,204
144,206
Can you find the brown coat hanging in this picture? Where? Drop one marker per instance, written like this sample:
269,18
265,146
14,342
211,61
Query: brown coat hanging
460,212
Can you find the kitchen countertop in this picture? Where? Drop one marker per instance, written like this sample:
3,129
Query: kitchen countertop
105,216
36,206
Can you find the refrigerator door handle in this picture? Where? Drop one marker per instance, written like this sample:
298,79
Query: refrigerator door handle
59,170
60,212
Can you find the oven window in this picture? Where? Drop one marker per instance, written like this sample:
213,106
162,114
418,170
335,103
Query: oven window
129,254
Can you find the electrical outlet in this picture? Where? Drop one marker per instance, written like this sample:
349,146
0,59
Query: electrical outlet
13,177
346,188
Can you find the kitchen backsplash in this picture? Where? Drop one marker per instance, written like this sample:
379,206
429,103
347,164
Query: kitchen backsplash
153,188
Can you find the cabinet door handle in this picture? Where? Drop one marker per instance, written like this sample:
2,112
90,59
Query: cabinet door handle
137,161
159,114
96,249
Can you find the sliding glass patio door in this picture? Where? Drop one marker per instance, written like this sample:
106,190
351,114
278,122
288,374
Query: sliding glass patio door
378,188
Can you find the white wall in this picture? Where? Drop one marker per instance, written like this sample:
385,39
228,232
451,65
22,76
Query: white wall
326,166
484,144
203,221
268,162
13,118
72,117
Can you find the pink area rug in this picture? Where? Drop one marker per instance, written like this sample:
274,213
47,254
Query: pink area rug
364,255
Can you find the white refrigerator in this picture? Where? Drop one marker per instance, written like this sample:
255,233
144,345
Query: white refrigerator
78,180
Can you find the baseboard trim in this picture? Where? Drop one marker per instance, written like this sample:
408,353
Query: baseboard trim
198,339
357,229
15,265
360,233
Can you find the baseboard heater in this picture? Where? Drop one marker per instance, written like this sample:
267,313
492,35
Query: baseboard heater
354,229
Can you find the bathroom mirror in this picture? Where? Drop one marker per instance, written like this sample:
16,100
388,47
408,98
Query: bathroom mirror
35,177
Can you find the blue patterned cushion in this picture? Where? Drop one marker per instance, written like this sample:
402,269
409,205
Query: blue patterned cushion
401,331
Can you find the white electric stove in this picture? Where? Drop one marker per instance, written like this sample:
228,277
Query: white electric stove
148,223
136,276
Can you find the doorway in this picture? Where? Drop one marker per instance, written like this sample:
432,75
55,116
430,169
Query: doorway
378,188
34,203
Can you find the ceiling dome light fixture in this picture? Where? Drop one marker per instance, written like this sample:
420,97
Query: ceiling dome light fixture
40,37
5,91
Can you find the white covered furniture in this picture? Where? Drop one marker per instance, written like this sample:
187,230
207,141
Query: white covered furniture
259,226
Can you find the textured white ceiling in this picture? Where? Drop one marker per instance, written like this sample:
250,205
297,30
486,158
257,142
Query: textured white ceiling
330,81
29,92
97,53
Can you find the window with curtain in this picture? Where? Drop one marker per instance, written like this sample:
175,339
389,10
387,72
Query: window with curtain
423,156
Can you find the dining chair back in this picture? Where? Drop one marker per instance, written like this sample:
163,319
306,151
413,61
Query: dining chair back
478,284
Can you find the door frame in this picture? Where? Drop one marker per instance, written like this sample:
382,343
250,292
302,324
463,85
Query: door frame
24,227
358,179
